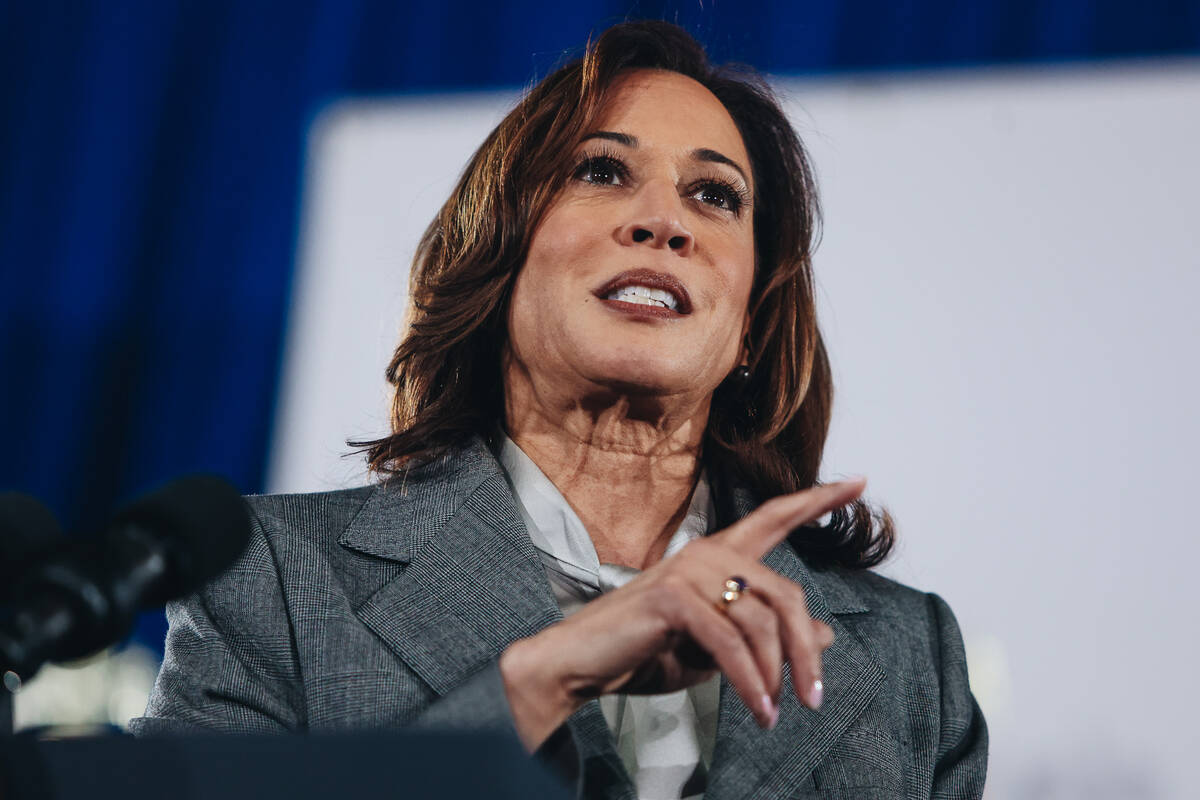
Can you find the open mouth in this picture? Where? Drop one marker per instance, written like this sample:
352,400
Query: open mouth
655,291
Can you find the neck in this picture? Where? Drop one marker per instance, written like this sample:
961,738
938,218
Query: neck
626,464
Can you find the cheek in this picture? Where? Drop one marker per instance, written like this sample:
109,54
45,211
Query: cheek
738,281
543,280
734,275
558,243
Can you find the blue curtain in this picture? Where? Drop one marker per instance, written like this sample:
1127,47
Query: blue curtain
150,163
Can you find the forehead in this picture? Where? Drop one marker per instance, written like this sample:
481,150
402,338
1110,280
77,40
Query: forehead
670,110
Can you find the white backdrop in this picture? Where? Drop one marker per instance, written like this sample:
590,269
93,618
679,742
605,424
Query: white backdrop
1007,277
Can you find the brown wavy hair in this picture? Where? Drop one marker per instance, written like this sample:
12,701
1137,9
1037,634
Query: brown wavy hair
765,434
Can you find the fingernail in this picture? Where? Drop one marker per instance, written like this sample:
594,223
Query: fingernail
770,713
816,694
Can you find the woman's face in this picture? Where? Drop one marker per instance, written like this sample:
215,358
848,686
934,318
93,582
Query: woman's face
638,278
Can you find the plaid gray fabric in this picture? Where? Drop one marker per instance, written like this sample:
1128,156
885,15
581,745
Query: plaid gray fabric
389,606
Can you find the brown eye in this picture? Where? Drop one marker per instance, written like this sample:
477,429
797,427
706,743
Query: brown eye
601,170
719,195
716,197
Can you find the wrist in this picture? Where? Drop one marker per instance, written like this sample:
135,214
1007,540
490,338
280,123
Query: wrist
539,700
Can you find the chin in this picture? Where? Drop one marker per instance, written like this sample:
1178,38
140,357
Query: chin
643,367
644,377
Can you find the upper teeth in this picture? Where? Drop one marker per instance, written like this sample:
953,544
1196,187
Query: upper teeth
644,295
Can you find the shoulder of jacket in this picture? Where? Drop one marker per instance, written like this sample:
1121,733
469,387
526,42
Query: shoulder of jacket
878,593
901,617
873,584
307,514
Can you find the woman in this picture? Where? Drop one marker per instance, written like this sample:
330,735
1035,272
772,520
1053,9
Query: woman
612,358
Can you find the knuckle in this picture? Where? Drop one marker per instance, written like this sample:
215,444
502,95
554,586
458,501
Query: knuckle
667,592
719,552
799,653
800,635
730,640
673,580
798,599
765,623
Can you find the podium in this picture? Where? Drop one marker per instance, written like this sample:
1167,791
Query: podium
350,766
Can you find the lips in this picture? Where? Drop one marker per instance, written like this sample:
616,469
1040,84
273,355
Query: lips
651,280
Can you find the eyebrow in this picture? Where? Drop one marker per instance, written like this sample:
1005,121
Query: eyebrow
620,138
700,154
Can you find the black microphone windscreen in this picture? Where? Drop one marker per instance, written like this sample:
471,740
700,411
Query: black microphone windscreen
201,520
27,528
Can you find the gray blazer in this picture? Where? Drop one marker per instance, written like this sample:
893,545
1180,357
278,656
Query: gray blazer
389,606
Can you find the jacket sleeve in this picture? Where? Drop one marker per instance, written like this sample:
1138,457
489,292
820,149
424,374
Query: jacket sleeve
961,765
480,702
229,662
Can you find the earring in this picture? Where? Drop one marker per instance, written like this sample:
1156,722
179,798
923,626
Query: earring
739,382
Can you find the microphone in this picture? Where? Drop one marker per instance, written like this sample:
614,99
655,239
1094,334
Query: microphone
165,545
28,530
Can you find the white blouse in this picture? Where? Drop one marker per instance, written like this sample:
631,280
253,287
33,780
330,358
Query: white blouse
666,741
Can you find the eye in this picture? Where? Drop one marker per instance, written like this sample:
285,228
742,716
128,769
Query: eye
601,170
719,194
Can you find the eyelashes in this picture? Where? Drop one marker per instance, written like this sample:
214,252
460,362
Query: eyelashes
601,168
605,168
717,191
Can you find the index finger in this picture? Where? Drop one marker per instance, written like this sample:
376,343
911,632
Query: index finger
770,523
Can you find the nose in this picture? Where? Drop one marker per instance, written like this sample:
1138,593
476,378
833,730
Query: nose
655,219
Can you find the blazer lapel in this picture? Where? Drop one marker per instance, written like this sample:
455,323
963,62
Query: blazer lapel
473,584
749,762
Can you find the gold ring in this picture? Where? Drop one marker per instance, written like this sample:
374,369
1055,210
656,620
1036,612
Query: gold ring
735,585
